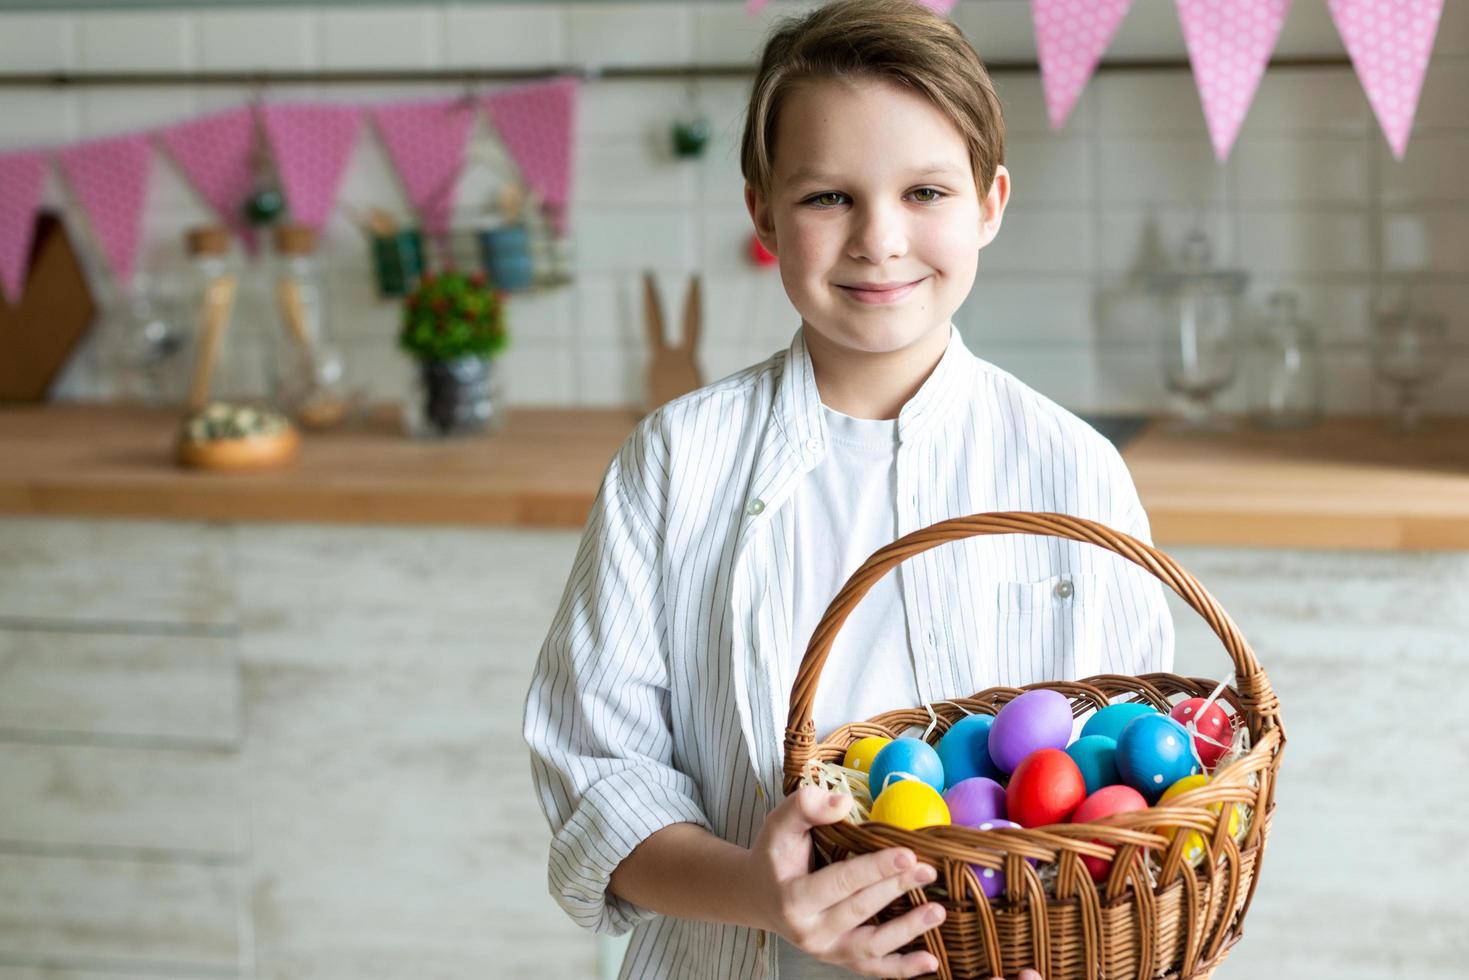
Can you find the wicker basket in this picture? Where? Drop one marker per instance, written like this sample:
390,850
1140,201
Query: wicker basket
1152,917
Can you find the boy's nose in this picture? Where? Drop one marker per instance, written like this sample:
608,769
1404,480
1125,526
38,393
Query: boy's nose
878,235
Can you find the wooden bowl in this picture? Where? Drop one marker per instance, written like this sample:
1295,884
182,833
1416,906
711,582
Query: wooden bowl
256,452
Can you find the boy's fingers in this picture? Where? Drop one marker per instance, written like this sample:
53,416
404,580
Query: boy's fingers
873,945
837,882
854,910
902,965
807,807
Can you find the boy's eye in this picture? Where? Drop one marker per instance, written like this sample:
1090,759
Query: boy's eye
927,195
827,199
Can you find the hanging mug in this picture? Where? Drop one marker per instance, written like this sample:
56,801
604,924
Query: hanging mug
505,254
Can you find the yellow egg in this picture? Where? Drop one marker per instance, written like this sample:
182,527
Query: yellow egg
861,752
1193,844
910,804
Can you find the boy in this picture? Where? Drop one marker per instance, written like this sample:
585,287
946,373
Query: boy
731,517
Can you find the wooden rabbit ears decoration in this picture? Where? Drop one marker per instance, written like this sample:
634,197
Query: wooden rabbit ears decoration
672,370
653,308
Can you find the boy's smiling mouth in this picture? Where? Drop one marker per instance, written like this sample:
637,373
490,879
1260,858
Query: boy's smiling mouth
878,293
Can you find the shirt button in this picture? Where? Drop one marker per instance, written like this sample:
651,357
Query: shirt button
932,640
755,506
814,445
1063,589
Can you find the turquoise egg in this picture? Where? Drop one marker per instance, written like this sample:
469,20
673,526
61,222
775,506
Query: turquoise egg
1096,757
1153,753
906,758
1112,719
964,750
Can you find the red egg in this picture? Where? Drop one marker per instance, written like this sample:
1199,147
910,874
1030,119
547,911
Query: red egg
1211,730
1103,803
1044,789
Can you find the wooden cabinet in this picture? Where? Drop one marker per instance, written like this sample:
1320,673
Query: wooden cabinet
274,751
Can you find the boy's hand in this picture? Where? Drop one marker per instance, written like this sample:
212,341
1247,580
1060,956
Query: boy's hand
1024,975
825,913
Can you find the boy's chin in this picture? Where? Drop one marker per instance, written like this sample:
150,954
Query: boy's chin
875,337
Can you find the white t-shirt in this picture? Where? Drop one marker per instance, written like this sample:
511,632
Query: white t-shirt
844,511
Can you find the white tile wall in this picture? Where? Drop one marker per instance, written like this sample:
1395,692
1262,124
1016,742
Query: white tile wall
1311,200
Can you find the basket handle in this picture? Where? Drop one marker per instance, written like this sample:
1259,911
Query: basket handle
1256,696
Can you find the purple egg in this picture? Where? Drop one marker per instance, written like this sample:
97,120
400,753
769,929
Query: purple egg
1039,719
991,880
975,800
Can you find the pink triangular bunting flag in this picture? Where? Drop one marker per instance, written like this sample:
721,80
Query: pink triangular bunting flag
214,154
21,178
1229,44
426,142
312,143
1070,37
537,123
110,180
1389,41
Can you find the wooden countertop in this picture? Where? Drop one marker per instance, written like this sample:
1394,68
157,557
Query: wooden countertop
1348,483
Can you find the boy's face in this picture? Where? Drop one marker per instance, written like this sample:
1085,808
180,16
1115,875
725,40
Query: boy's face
873,213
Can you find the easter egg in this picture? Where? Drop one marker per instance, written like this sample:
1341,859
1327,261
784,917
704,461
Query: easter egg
992,880
1153,753
1044,789
975,800
1103,803
1212,732
905,758
910,804
1039,719
861,752
1096,757
964,750
1193,844
1112,719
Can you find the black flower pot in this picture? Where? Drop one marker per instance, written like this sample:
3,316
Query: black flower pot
457,397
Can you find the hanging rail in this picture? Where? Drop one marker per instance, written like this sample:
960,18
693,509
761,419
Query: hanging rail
351,76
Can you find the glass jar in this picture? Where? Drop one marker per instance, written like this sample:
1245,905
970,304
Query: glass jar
1200,346
306,378
214,300
1285,377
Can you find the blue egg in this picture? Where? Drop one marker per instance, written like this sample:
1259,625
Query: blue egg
1112,719
1153,753
964,750
1096,757
911,758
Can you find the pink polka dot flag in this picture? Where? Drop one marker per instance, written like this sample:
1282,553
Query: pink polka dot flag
1070,37
537,124
214,154
1229,44
21,177
311,143
110,180
1389,41
426,142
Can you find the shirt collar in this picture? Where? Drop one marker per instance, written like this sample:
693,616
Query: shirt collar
798,403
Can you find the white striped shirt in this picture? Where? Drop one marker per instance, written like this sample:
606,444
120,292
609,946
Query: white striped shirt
660,694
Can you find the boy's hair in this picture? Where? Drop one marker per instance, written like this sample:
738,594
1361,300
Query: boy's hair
898,40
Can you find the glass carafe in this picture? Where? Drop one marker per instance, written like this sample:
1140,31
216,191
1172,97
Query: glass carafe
1284,368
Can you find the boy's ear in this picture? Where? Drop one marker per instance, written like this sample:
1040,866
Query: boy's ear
759,208
994,206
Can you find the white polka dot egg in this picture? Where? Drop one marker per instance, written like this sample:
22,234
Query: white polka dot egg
1153,753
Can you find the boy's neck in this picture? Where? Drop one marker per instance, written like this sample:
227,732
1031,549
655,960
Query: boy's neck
873,386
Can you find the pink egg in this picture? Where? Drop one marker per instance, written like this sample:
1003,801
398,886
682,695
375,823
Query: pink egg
1212,732
1039,719
1103,803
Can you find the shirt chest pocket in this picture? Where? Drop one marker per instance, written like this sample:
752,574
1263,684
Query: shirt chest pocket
1049,629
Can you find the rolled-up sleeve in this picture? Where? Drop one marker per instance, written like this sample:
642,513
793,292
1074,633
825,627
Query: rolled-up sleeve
597,715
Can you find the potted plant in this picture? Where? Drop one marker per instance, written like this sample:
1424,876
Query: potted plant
454,326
